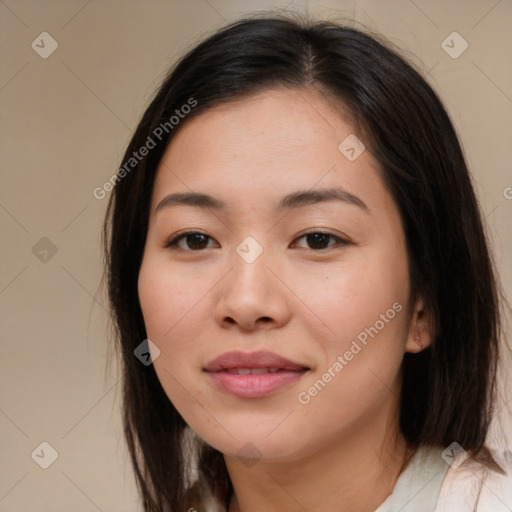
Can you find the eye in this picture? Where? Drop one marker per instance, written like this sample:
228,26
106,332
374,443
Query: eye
194,240
319,240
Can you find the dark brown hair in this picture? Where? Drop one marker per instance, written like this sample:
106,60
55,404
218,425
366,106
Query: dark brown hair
448,389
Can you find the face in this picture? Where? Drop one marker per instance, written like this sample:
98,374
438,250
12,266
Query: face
277,297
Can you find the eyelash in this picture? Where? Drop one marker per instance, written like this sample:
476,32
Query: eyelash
172,243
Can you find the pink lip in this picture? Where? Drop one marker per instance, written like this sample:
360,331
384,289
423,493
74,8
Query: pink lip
253,385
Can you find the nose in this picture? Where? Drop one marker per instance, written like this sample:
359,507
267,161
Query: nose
252,297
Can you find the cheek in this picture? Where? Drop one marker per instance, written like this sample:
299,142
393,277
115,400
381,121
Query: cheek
359,378
174,318
349,297
169,300
363,306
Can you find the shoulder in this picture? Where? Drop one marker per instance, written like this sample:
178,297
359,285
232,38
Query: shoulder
471,486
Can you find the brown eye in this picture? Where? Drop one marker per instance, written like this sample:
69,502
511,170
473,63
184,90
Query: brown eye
318,240
194,241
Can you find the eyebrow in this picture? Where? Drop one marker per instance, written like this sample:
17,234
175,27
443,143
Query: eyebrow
288,202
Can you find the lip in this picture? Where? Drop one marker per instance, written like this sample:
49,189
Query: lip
284,372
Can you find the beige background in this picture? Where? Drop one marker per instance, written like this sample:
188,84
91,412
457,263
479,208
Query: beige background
65,122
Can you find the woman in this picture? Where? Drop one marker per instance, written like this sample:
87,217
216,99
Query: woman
295,244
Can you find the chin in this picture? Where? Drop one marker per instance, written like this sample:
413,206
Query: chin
254,440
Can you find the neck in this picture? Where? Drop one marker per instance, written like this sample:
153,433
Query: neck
334,479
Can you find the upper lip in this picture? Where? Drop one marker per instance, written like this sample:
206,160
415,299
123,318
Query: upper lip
260,359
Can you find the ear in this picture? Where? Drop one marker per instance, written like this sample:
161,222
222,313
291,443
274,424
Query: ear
420,334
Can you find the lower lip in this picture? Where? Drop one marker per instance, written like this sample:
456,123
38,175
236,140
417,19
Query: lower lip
254,386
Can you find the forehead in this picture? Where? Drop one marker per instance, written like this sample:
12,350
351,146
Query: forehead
275,141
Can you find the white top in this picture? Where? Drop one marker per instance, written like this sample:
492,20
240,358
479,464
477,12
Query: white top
446,480
417,488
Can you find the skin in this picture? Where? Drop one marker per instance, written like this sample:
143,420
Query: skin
305,303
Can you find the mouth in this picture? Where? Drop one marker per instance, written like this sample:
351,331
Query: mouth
253,375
